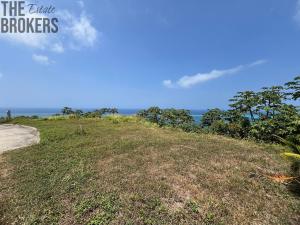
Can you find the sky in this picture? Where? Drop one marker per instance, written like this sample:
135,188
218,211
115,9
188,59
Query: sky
192,54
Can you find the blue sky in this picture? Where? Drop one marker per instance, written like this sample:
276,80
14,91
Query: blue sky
192,54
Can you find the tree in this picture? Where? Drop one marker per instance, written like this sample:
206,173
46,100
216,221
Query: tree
295,87
285,123
211,116
114,111
270,100
67,111
152,114
78,112
100,112
168,117
176,117
245,103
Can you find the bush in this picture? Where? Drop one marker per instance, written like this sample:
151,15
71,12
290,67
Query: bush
177,118
218,127
211,116
285,124
191,128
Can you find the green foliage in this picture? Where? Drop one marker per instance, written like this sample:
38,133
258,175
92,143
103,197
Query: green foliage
294,86
153,114
283,124
177,118
78,113
218,127
245,102
104,206
189,127
270,101
211,116
98,113
257,115
192,206
67,111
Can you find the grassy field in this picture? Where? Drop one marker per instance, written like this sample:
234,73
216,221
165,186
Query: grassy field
134,173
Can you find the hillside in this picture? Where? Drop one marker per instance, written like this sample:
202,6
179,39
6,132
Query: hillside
112,172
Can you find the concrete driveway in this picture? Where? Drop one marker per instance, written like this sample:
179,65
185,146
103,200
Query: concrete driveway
17,136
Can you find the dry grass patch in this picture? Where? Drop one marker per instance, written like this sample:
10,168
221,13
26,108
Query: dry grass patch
129,173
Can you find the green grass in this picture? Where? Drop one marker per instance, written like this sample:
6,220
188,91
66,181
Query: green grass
116,171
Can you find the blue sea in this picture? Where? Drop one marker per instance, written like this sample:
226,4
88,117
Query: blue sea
45,112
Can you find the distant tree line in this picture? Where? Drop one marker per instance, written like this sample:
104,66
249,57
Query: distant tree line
263,115
93,114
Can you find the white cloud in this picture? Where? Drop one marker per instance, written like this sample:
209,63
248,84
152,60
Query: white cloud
58,48
81,4
189,81
297,15
41,59
84,32
168,83
81,30
258,62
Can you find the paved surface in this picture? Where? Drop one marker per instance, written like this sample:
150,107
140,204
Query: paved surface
17,136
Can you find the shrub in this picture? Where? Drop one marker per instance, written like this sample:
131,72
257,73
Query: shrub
285,123
189,127
177,118
153,114
211,116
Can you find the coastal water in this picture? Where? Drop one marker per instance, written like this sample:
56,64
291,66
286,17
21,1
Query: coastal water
45,112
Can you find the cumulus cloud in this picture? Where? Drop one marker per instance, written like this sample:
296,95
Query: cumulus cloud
189,81
84,32
80,29
41,59
297,15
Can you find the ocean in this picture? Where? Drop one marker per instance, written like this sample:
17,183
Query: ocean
45,112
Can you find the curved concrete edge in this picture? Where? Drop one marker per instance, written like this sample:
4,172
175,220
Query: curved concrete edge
14,136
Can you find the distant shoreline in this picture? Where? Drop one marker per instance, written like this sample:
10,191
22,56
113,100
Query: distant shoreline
46,112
